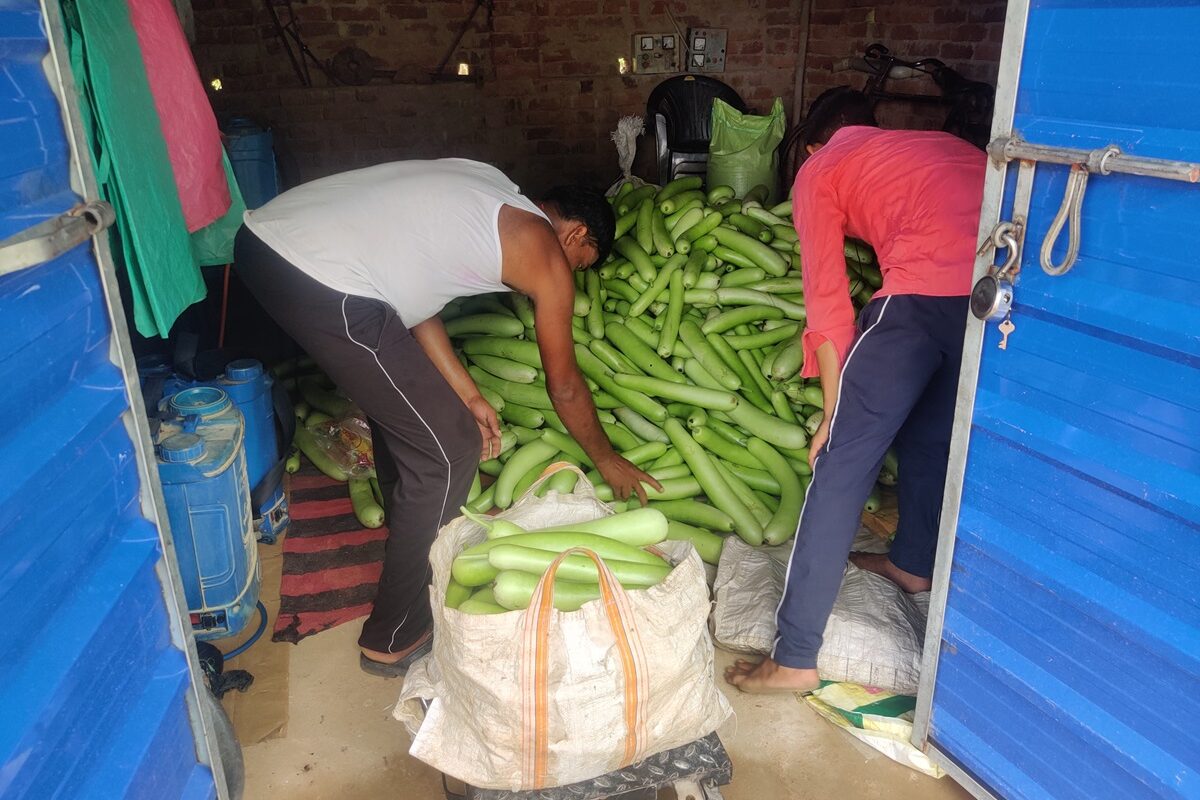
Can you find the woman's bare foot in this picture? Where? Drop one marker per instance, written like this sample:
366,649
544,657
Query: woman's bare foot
392,658
767,677
880,564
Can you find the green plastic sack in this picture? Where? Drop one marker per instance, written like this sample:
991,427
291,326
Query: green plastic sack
744,149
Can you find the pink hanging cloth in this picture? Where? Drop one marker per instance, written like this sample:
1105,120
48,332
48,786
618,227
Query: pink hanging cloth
188,124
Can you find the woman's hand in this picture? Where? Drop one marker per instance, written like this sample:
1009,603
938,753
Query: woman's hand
489,426
625,478
817,442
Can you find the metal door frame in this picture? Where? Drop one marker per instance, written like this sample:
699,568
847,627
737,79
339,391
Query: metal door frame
57,68
1015,23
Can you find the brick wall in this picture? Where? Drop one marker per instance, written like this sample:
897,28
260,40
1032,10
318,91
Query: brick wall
550,93
964,34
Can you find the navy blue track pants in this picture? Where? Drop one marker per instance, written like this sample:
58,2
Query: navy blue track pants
899,384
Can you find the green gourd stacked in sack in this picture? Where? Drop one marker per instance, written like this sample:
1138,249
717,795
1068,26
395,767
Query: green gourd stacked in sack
502,572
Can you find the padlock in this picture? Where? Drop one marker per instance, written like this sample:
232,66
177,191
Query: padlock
992,297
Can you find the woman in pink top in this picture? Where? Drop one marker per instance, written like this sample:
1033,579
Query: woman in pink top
914,196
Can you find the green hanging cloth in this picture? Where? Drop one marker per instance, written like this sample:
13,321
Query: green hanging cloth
133,166
213,244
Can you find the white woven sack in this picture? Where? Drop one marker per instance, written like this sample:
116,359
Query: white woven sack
603,699
875,634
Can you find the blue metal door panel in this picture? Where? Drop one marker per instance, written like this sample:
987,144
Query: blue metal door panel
97,695
1068,659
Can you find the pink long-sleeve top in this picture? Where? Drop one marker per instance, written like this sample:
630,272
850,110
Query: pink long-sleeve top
914,196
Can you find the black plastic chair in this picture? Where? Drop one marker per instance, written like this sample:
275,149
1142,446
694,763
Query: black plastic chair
680,110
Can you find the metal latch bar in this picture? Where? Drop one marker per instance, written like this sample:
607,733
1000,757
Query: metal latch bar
1102,161
50,239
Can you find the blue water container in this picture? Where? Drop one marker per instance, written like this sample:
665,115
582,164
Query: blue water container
249,386
251,152
202,467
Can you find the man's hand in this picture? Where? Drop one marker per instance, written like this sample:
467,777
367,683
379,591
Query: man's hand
431,335
625,478
489,426
817,442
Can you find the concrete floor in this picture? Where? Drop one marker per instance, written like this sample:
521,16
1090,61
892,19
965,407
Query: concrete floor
342,743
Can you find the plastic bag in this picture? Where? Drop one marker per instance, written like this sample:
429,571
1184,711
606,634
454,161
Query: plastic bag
744,149
347,440
879,718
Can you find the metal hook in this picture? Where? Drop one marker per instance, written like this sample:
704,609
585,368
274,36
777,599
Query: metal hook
1012,262
1068,212
1005,236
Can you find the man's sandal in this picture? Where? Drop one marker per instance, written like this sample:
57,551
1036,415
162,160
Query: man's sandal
396,669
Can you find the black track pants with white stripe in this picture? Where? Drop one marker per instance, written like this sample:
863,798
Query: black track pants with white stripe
426,442
899,384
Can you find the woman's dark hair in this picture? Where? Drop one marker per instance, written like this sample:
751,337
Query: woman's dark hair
588,206
833,110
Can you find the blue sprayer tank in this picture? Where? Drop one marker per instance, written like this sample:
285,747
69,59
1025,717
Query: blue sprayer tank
202,468
249,387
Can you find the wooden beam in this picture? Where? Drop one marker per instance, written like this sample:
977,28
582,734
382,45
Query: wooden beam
805,10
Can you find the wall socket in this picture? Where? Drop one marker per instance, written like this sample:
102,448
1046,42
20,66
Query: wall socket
656,53
706,49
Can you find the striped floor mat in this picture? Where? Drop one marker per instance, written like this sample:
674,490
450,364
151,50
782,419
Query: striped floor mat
331,564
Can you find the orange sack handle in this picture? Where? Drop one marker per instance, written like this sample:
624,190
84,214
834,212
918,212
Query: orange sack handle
535,666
